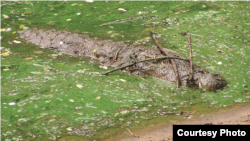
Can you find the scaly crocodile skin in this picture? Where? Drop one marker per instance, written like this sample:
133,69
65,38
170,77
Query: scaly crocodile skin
106,50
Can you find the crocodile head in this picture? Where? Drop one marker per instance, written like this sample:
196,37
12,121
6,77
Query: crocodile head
212,82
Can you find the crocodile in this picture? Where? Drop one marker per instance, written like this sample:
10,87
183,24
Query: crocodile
118,54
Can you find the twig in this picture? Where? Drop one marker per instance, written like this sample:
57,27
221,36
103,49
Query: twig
122,21
220,7
130,131
172,61
160,58
116,55
133,117
190,58
195,34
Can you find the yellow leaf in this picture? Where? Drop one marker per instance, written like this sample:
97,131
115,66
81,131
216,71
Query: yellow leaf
40,117
74,4
148,29
52,8
14,32
68,20
29,58
27,12
97,98
6,54
124,112
71,100
22,25
5,16
211,67
51,120
79,86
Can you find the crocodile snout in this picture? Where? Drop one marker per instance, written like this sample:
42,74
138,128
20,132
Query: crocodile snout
211,82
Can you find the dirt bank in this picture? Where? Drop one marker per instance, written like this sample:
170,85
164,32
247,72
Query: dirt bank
233,115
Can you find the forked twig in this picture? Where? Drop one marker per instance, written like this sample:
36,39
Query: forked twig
190,58
152,59
172,60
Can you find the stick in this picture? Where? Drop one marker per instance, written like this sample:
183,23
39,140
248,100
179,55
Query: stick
220,7
122,21
172,61
144,61
116,56
190,58
130,131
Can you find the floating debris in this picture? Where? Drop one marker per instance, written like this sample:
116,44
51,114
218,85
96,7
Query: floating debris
5,16
22,25
142,12
74,4
8,29
239,100
71,100
12,103
220,51
124,112
122,9
29,58
123,80
70,128
81,71
79,86
23,119
6,69
5,54
103,67
38,52
17,42
219,63
51,120
78,107
36,72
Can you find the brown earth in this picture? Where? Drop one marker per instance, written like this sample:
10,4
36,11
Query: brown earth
232,115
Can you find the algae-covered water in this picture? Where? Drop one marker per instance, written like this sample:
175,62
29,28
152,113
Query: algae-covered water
48,95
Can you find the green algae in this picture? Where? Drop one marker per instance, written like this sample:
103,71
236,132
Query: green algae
49,95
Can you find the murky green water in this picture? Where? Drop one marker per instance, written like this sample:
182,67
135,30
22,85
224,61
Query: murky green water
48,95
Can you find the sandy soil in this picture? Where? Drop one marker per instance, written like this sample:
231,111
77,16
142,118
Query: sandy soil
236,115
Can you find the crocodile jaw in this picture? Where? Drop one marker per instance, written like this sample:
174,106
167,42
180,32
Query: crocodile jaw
212,82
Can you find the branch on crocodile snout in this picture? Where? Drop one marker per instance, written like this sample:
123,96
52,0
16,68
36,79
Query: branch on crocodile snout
160,58
172,60
190,58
